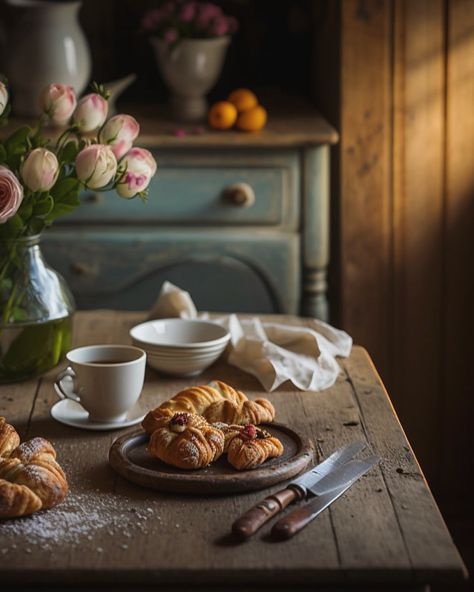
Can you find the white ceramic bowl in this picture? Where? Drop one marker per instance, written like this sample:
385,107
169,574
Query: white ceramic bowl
189,367
180,333
181,347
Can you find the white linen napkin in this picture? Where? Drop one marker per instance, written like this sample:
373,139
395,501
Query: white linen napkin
271,352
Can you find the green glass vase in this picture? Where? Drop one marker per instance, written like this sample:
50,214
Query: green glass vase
36,309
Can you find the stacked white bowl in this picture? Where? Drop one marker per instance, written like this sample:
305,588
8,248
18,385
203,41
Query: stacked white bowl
181,347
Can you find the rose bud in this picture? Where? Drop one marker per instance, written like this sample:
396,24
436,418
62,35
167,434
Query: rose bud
11,194
40,169
140,166
96,166
3,97
119,133
91,112
58,102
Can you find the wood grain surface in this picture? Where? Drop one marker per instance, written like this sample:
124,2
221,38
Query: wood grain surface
385,529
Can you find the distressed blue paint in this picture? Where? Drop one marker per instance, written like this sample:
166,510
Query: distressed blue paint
103,264
271,257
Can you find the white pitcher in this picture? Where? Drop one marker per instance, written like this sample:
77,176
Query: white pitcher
44,44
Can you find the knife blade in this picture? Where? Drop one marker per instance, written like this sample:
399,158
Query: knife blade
295,521
256,517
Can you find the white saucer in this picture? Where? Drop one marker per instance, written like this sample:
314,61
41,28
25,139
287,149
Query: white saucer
73,414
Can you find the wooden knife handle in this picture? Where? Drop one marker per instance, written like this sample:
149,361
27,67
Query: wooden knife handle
289,525
251,521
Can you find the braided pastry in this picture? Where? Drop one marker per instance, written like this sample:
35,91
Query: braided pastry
248,447
9,438
30,478
186,441
217,402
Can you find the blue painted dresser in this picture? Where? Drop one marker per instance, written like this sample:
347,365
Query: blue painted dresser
239,220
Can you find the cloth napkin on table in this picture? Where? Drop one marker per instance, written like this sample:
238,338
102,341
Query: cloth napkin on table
271,352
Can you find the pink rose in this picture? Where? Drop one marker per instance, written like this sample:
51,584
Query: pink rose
91,112
170,35
219,26
11,194
96,166
58,101
40,170
3,97
207,12
119,133
140,166
188,12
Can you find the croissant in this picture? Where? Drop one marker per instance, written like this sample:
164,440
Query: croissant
251,446
9,438
217,402
186,441
30,479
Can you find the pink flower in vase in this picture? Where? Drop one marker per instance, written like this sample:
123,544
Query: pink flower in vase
152,19
207,12
96,166
40,170
140,166
188,12
219,26
119,132
91,112
11,194
58,102
3,97
170,36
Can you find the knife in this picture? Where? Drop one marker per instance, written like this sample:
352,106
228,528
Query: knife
299,489
295,521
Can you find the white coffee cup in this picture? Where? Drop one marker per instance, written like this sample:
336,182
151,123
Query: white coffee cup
108,380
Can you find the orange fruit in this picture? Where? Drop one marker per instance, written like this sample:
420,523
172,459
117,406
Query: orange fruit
243,99
252,120
222,115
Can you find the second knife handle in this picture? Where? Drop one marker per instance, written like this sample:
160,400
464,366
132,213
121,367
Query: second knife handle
256,517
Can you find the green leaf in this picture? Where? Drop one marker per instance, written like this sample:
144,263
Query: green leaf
3,154
17,142
13,227
68,152
64,188
44,206
36,225
65,194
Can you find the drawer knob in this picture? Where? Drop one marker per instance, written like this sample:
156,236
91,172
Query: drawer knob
240,195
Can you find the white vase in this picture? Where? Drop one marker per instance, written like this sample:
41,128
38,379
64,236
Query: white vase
45,44
190,70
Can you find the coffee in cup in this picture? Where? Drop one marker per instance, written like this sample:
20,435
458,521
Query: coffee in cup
107,379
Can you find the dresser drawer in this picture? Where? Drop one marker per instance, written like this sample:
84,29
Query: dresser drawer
206,188
223,271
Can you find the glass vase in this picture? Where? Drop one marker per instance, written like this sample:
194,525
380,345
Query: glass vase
36,308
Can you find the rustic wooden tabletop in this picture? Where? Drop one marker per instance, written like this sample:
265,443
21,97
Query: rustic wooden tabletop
385,531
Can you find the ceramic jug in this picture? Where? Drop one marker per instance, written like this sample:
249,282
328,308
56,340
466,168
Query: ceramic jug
44,43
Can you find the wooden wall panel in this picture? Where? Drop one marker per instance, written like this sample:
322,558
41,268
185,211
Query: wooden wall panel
405,195
457,415
417,226
364,155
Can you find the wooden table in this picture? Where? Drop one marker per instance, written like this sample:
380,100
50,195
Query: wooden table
385,532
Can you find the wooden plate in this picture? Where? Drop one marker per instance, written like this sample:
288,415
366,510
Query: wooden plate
128,456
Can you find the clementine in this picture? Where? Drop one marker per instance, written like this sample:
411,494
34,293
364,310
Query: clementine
252,120
243,98
222,115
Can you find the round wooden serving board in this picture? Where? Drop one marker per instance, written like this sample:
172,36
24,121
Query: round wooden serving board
128,456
